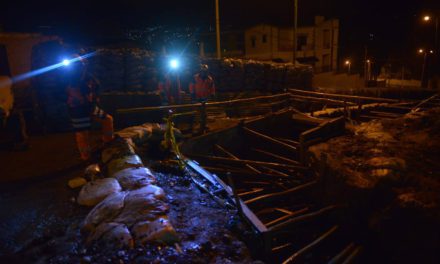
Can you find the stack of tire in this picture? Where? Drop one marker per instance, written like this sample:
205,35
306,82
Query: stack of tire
50,86
108,67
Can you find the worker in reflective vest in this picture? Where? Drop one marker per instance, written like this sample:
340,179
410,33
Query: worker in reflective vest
202,86
169,89
84,108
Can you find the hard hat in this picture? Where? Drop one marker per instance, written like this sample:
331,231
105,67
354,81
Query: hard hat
204,67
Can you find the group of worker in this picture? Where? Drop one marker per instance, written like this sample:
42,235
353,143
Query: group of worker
201,87
84,107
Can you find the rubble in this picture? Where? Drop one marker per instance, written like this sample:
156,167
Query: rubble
389,171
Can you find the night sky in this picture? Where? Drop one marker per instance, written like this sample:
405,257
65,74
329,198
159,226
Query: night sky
387,26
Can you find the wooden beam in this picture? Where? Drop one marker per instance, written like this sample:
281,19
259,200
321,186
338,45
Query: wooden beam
279,157
287,216
311,245
323,100
238,172
281,226
251,162
277,194
236,158
208,104
344,96
270,139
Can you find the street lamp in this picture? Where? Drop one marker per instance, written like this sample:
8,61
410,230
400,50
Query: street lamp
427,19
348,64
423,80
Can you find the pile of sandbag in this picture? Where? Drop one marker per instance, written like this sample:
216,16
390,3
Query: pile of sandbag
128,208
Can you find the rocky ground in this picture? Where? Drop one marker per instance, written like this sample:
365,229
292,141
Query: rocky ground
389,171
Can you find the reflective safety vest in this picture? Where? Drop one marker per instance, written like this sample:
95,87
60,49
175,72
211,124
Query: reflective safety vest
202,88
169,91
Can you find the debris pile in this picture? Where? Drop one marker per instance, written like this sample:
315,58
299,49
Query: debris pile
388,170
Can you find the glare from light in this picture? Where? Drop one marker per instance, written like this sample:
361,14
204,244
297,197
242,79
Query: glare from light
347,62
174,64
426,18
431,51
66,62
24,76
421,51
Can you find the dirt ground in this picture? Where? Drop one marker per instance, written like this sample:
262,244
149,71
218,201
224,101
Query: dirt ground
389,170
40,223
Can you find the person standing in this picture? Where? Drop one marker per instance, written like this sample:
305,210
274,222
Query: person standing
83,103
202,86
169,88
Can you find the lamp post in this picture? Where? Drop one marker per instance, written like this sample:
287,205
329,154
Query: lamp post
348,64
423,80
295,29
428,19
217,29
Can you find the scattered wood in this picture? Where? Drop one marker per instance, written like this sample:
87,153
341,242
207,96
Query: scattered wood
250,162
270,139
277,194
311,245
281,226
236,158
287,216
279,157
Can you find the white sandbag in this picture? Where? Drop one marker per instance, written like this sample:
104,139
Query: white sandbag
94,192
159,230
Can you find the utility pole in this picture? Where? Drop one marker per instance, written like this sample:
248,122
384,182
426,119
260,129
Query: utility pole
295,30
217,29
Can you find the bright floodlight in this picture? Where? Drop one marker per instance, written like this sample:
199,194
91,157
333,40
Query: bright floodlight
174,64
347,62
421,51
66,62
426,18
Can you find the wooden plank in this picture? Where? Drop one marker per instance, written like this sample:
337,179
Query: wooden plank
344,96
323,100
270,139
236,158
278,194
282,226
287,216
279,157
250,216
251,162
310,246
208,104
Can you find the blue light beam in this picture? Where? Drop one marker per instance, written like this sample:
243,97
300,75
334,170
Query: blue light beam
64,63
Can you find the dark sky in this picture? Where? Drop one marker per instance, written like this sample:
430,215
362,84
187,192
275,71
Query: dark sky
394,25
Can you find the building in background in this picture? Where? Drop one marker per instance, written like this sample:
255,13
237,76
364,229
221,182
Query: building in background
317,45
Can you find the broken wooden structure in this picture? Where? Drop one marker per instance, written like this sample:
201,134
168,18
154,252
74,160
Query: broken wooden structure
261,167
